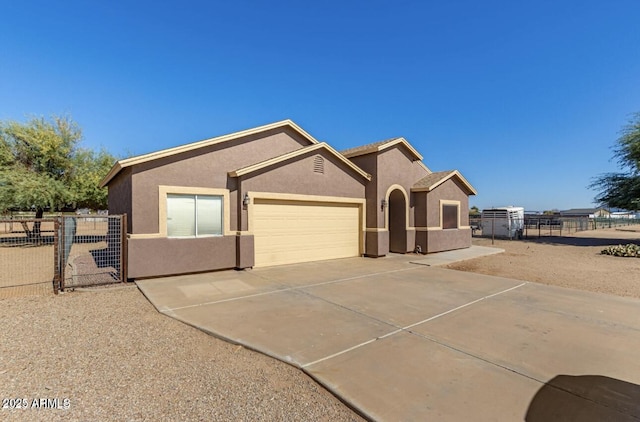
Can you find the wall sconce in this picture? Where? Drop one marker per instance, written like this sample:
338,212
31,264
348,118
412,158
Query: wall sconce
245,199
383,204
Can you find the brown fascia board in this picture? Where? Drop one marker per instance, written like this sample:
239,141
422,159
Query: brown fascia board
119,165
287,156
446,175
381,146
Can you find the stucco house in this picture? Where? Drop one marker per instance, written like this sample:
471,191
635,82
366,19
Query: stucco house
274,195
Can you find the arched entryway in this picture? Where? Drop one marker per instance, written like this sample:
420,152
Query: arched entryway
397,221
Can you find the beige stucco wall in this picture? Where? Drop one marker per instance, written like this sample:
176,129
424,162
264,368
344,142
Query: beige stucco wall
119,196
420,208
391,167
208,168
296,176
369,163
377,243
444,240
163,256
397,167
136,190
151,254
449,190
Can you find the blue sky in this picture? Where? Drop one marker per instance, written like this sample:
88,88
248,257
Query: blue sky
526,99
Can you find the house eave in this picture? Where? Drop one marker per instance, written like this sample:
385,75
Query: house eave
470,189
382,147
118,166
281,158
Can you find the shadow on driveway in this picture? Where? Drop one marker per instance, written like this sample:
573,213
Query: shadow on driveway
586,398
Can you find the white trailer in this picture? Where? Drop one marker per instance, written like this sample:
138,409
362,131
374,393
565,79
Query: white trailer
503,222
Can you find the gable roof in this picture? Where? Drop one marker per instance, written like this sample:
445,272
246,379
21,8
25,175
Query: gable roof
433,180
119,165
304,150
380,146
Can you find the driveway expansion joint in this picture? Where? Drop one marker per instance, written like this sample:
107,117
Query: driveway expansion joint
408,327
286,288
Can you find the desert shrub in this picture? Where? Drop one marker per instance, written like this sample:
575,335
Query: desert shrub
630,250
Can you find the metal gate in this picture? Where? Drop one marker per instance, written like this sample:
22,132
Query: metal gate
66,251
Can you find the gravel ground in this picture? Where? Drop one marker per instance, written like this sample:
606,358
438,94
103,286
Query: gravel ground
569,261
114,357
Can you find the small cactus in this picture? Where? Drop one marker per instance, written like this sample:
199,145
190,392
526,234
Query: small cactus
629,250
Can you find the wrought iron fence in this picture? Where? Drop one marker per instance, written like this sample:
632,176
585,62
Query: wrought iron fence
541,226
66,251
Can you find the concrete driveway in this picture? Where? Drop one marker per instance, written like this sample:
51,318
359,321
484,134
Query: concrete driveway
400,341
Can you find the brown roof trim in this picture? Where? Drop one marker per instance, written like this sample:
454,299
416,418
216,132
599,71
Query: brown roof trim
201,144
280,158
380,146
424,166
433,180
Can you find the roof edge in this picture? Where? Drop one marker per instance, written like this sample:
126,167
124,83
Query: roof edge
381,147
119,165
115,169
424,166
275,160
465,182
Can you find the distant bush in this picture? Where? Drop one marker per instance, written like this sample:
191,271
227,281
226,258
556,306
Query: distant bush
631,250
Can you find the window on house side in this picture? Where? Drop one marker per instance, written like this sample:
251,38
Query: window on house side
194,215
449,216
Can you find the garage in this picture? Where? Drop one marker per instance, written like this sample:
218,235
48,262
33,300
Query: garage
287,232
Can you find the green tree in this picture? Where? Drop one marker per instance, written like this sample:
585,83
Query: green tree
42,167
90,168
474,210
622,189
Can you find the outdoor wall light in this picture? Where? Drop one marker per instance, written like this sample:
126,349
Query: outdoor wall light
245,199
383,204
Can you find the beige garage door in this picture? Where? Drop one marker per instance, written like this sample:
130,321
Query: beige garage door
287,232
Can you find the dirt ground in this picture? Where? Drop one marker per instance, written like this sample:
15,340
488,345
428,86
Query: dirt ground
114,357
570,261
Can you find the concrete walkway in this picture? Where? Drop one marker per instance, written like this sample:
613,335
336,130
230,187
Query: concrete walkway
399,341
449,257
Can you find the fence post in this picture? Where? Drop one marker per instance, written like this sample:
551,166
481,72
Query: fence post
56,256
123,248
63,244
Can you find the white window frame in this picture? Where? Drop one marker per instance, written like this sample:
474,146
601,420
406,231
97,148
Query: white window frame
196,213
164,191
